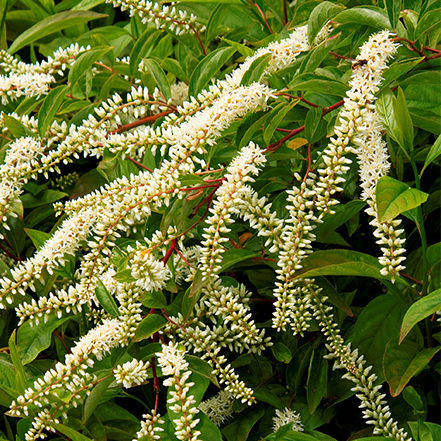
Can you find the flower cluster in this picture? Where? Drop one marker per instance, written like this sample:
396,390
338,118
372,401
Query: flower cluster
133,373
218,408
287,416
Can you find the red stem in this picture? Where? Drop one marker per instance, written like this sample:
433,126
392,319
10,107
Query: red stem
139,164
264,18
139,122
170,250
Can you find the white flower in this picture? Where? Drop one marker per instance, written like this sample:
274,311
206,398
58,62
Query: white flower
218,408
287,416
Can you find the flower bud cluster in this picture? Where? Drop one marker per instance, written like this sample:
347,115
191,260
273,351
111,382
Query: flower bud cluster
133,373
150,427
163,16
229,197
173,364
218,408
66,181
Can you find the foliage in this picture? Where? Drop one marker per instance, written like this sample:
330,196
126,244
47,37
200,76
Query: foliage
203,203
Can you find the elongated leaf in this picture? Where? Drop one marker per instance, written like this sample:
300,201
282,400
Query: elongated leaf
394,197
404,361
34,339
340,263
53,24
148,326
320,15
158,74
43,198
434,152
427,22
85,5
49,108
419,311
214,24
106,300
314,58
69,432
281,352
393,11
317,379
202,368
143,47
38,237
374,17
16,127
207,69
239,429
93,400
21,382
312,122
255,70
241,48
84,62
275,118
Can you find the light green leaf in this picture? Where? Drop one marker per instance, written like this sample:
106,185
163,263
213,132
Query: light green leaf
148,326
51,25
106,300
16,127
214,24
208,68
49,108
320,15
412,397
241,48
85,5
67,431
427,22
401,362
340,263
434,152
21,382
38,237
93,400
31,340
374,17
275,118
143,47
394,197
281,352
255,71
84,62
421,309
158,74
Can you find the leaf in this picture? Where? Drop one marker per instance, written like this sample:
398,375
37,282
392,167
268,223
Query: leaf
38,237
319,16
315,57
317,379
340,263
143,47
374,17
312,122
394,197
393,11
46,197
84,62
155,299
396,118
214,24
281,352
148,326
207,69
275,118
158,74
421,309
15,126
67,431
333,295
234,256
202,368
256,69
21,382
401,362
266,396
106,300
427,21
434,152
241,48
96,395
412,397
314,83
53,24
240,428
49,108
31,340
85,5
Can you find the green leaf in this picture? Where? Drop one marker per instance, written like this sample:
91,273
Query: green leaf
85,5
313,118
266,396
38,237
84,62
412,397
148,326
207,69
52,24
394,197
374,17
234,256
396,118
333,295
214,24
427,22
49,108
315,57
421,309
43,198
340,263
275,118
403,361
202,368
317,379
319,16
17,129
31,340
393,11
106,300
96,395
314,83
281,352
158,74
143,47
67,431
434,152
240,428
241,48
21,382
256,69
155,299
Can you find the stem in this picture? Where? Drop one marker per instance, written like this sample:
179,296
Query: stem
285,12
139,164
140,122
62,341
264,18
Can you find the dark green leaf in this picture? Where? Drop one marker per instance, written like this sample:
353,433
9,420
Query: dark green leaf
434,152
427,22
53,24
421,309
317,378
106,300
96,395
158,74
394,197
21,382
155,299
256,69
46,197
313,118
207,69
266,396
281,352
202,368
67,431
393,11
403,361
275,118
143,47
240,428
49,108
320,15
314,58
148,326
214,24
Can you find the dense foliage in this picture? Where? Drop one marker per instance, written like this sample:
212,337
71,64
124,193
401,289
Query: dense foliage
220,220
